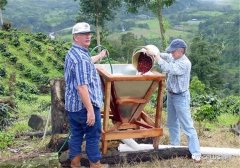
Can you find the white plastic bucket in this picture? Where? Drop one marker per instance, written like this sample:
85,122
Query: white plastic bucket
143,58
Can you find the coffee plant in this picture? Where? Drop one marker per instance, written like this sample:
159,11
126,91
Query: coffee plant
5,116
231,105
3,72
6,54
13,59
26,96
3,47
15,42
2,89
6,139
27,88
40,37
38,63
45,70
27,73
27,39
20,66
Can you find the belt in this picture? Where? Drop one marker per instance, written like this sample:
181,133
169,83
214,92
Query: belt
176,93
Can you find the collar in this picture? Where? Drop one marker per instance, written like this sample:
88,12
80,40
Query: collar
80,47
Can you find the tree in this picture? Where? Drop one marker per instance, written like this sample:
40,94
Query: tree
97,12
205,61
3,3
196,87
156,6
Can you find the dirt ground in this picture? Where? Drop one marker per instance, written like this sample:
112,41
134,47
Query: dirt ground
25,148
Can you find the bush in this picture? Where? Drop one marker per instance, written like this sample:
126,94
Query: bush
5,116
39,78
35,45
59,67
27,97
40,37
3,72
16,42
27,39
231,105
49,59
13,59
26,88
205,113
6,54
45,70
6,139
3,47
38,62
20,66
2,90
6,26
27,73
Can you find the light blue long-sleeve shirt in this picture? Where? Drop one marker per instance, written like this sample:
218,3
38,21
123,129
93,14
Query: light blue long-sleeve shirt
178,71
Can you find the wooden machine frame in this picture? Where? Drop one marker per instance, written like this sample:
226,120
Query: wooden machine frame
139,124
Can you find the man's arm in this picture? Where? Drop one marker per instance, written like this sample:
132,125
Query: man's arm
85,97
99,56
175,68
165,56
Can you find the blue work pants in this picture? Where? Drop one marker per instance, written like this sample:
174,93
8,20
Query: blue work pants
79,129
179,115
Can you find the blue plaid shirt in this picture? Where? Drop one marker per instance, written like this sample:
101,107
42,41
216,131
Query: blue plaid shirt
79,70
178,71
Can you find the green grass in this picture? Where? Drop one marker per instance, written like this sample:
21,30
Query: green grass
154,31
233,3
207,13
224,120
228,119
19,127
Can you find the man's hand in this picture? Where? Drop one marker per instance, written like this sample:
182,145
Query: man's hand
157,57
102,54
99,56
90,118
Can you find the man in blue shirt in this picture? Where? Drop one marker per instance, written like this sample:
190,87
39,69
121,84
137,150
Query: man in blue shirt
83,97
178,68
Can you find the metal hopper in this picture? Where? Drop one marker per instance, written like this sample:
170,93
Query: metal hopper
125,95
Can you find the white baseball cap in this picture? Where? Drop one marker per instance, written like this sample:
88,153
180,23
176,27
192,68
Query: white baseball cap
81,27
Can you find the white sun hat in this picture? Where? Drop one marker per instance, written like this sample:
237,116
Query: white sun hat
81,28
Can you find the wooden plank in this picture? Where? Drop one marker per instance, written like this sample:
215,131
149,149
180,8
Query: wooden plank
125,100
124,126
143,133
147,119
143,124
158,117
106,106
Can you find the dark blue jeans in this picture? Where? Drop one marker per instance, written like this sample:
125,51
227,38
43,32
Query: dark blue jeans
79,129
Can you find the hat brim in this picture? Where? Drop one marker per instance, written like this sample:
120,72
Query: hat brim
170,49
84,32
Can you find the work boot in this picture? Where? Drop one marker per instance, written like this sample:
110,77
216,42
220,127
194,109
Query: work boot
98,165
75,163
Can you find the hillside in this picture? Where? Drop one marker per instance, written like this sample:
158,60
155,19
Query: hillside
33,58
44,16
